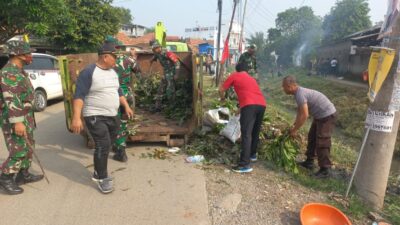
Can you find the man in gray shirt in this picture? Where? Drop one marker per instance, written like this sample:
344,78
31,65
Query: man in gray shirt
324,115
98,96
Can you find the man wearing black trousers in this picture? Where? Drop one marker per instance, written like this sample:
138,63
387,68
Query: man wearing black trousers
252,107
97,98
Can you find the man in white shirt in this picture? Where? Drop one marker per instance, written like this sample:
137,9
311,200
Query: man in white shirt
98,96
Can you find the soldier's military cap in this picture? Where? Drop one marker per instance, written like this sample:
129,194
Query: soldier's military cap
113,40
253,46
155,45
18,48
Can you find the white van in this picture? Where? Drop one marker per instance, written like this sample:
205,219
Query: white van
46,79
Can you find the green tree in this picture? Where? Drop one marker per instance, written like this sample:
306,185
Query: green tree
296,21
39,17
125,15
93,20
257,39
346,17
296,28
273,35
77,26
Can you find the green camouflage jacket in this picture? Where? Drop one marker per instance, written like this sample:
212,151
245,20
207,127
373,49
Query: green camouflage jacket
125,66
168,64
16,97
250,61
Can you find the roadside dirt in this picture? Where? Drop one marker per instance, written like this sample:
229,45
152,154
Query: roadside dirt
262,197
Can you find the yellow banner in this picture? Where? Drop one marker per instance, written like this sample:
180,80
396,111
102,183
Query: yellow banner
378,68
26,38
161,34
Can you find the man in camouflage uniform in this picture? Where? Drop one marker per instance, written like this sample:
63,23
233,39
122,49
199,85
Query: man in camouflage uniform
125,66
170,64
17,118
249,59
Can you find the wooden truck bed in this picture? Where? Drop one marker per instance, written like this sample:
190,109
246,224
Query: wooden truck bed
154,127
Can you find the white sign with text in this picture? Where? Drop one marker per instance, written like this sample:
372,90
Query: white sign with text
380,121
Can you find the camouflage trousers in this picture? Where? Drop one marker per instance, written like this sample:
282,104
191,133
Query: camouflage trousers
122,134
20,153
167,88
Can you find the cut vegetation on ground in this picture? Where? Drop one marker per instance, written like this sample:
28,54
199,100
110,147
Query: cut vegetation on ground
283,202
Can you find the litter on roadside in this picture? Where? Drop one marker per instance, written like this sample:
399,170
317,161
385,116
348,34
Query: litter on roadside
174,150
232,129
216,116
195,159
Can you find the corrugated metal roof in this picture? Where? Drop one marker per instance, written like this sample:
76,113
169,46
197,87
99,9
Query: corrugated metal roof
363,37
374,29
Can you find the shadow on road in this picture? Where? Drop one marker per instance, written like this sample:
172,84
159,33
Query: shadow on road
60,151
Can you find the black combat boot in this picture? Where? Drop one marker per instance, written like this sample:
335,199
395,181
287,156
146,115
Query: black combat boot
120,155
308,164
8,184
24,177
323,172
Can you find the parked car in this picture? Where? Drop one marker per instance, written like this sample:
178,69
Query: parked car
46,79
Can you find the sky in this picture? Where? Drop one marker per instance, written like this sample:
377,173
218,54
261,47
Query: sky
260,16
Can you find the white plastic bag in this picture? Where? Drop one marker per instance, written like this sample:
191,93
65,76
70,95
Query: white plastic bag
212,117
232,129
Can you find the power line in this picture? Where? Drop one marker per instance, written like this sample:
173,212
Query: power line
264,14
265,9
256,22
253,27
250,28
256,10
255,7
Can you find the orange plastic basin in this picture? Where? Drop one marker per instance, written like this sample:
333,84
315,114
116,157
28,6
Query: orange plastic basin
322,214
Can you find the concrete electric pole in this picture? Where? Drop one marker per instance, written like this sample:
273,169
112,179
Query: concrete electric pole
372,175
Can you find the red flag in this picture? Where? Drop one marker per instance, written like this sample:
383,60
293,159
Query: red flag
225,53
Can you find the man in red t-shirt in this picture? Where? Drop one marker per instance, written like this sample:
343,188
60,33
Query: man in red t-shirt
252,107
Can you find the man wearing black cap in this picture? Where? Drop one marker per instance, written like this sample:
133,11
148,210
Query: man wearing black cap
98,96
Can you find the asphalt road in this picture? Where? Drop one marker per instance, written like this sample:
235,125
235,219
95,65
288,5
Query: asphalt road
147,191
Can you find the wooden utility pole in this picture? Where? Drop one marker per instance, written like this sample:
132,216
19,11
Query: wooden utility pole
371,177
218,41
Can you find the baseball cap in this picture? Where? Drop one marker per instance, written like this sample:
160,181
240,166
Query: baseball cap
108,48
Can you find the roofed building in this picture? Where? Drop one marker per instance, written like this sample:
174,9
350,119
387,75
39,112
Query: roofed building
352,52
133,30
